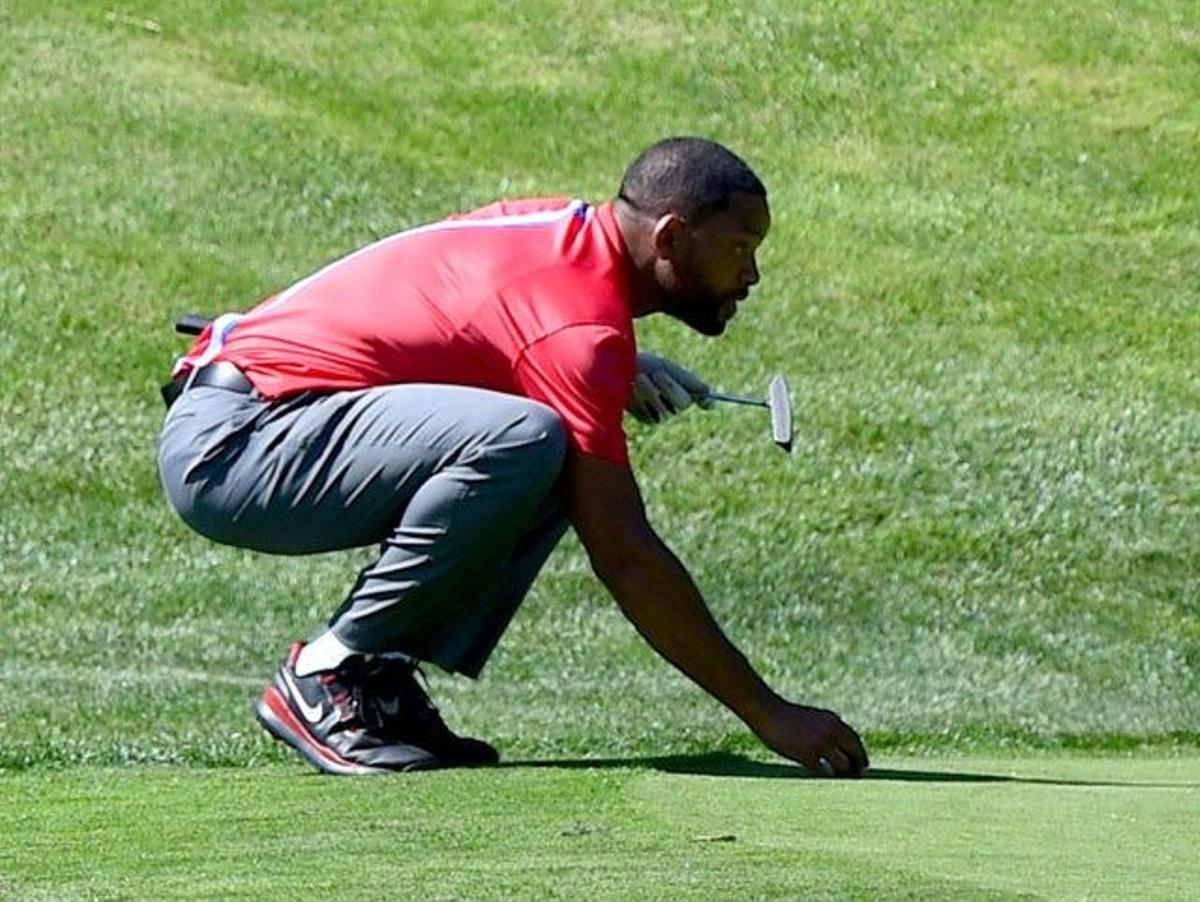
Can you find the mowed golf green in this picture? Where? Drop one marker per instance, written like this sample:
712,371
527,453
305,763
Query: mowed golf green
699,827
983,281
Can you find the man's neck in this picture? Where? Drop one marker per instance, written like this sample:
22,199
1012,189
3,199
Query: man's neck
636,232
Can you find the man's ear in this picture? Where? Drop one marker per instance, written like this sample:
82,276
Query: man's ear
669,231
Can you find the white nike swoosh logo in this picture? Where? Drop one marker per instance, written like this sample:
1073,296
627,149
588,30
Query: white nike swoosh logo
312,713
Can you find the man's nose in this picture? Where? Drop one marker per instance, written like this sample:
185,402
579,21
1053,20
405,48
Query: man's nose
751,274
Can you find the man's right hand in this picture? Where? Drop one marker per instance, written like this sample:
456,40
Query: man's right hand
812,736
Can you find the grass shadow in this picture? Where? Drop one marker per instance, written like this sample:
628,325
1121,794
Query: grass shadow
725,764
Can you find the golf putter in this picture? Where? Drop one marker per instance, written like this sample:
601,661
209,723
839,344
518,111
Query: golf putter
778,402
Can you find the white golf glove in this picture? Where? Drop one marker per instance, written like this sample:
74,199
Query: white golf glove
662,389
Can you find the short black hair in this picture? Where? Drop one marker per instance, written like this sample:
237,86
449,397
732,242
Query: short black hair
688,176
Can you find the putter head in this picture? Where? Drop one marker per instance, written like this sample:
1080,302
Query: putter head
780,402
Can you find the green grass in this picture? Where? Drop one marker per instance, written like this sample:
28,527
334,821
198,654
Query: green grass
982,281
700,828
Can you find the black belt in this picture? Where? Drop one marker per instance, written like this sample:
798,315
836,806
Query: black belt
213,375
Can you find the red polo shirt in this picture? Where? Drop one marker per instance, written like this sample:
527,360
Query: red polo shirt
526,297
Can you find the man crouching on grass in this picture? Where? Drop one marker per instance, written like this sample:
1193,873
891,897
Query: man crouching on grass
455,394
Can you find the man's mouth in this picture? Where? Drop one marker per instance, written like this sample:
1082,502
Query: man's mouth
728,309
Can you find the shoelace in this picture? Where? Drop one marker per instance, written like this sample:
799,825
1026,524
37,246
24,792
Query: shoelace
347,701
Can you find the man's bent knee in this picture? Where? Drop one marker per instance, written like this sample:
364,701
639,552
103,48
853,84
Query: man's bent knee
551,438
535,442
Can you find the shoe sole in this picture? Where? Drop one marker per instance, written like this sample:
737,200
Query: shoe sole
278,719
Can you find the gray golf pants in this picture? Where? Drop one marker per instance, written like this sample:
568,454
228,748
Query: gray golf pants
458,485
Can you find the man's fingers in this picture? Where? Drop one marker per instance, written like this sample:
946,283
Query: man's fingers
658,409
839,763
840,750
852,746
818,739
812,762
672,393
644,401
640,412
662,389
696,387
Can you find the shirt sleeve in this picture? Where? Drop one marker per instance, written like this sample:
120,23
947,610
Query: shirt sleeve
584,373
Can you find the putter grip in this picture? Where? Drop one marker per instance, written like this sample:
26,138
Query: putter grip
191,324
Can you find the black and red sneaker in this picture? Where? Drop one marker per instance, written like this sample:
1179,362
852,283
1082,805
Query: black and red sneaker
329,718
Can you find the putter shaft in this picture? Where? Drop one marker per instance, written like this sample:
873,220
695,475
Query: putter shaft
738,399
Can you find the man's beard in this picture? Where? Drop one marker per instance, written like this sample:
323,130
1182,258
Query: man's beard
706,320
698,306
